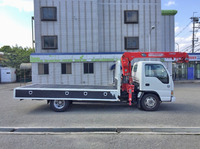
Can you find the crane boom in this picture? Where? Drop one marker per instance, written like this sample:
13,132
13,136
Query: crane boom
127,57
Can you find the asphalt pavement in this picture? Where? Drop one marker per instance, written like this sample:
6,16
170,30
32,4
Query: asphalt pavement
184,113
101,141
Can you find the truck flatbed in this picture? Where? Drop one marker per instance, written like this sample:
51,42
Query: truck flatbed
67,92
62,86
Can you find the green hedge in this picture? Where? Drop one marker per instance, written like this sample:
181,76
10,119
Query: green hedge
169,12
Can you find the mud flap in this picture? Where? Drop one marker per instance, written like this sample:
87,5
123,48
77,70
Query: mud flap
139,98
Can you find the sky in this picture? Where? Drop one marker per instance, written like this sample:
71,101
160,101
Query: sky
15,25
183,25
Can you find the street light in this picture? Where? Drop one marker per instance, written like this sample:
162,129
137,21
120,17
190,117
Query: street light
32,26
178,46
153,27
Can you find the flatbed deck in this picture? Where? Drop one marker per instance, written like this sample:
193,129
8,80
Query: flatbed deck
62,86
67,92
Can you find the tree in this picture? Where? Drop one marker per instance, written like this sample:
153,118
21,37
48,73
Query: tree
14,56
1,57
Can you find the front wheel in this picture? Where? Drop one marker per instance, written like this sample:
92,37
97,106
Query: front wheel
150,102
59,105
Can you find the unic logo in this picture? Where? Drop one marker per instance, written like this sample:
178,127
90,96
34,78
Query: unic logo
144,55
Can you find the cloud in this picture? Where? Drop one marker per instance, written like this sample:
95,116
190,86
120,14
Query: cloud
13,33
177,30
170,3
185,43
184,39
22,5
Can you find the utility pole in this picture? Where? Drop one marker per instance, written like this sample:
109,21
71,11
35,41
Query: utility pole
195,20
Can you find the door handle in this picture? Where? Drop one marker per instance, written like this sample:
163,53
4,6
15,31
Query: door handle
147,84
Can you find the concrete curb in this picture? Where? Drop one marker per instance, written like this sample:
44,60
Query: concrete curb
88,131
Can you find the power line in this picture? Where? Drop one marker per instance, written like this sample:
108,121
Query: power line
190,47
197,50
183,29
186,48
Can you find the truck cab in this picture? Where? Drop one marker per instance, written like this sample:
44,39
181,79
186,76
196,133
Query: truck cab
153,81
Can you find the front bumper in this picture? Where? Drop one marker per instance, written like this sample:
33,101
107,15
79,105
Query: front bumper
173,99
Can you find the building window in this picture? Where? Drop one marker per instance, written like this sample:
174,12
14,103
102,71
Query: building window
131,16
49,42
48,14
66,68
43,69
88,68
131,43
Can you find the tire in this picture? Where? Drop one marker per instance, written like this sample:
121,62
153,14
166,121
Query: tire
150,102
60,105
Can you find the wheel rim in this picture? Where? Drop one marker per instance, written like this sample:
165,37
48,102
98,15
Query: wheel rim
150,102
59,104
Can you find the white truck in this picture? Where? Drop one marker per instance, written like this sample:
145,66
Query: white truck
146,83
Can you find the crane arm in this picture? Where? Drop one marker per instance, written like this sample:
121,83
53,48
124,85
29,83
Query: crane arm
127,57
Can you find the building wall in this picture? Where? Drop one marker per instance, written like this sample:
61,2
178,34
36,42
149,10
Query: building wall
102,75
168,41
87,26
168,37
98,25
112,28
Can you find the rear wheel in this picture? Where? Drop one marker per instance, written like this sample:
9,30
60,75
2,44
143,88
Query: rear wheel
59,105
150,102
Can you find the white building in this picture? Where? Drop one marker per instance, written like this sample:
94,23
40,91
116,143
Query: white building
77,41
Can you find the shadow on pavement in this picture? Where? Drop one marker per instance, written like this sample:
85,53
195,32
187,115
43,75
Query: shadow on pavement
88,108
43,108
179,107
85,108
102,107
